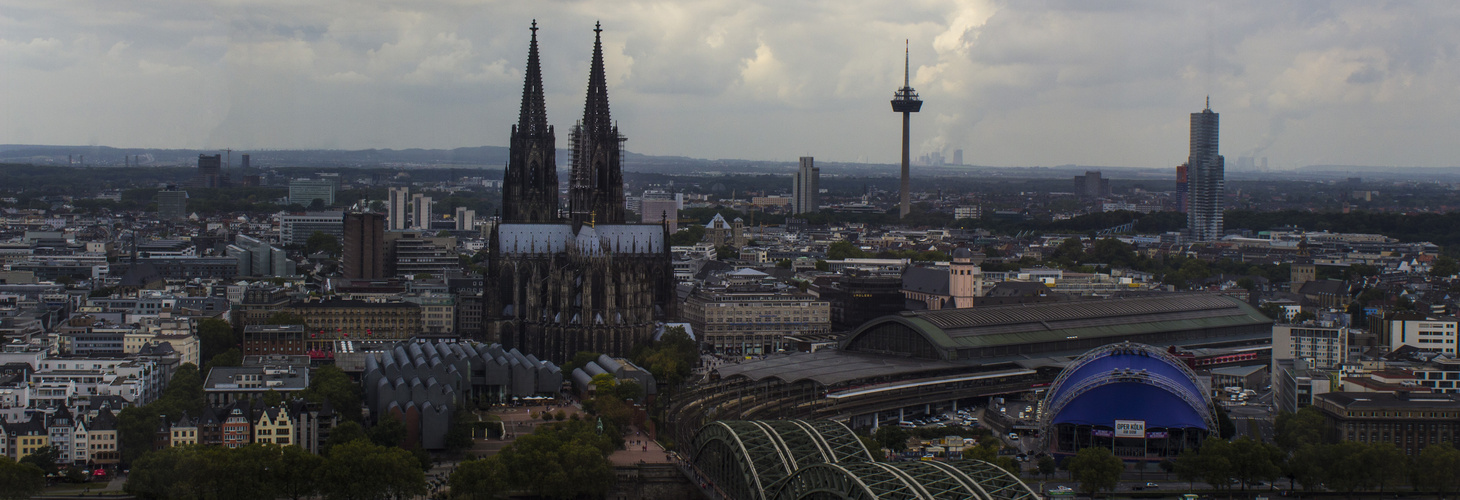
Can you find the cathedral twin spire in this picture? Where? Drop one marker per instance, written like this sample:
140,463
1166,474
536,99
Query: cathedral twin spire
530,187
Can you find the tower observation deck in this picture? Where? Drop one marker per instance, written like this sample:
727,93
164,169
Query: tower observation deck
905,101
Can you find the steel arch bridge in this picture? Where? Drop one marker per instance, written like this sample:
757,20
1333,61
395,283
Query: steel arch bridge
819,459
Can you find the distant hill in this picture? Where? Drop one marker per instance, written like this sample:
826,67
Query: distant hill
495,157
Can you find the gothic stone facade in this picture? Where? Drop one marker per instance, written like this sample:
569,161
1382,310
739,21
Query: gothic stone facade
553,286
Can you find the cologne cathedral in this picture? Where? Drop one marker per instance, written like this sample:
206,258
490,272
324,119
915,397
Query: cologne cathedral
558,285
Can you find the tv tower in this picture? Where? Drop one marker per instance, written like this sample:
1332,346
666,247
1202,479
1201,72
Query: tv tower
905,101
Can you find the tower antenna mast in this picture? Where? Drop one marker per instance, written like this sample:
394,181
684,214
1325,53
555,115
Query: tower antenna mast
906,101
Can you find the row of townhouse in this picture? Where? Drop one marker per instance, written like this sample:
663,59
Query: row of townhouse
298,422
92,439
89,439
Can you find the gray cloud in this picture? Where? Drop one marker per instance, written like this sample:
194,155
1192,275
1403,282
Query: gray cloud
1011,83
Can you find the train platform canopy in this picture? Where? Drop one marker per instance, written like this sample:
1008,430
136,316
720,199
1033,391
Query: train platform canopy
832,367
1040,329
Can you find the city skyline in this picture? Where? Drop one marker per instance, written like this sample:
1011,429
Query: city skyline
1016,85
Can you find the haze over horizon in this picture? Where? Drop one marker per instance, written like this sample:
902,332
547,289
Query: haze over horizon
1012,84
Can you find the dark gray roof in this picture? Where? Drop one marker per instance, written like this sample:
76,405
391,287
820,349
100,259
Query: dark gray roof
1391,400
925,280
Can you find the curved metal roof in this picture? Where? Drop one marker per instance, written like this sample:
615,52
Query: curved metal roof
1128,381
1000,325
964,479
796,459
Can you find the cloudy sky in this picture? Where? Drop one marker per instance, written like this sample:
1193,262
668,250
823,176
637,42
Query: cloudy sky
1012,83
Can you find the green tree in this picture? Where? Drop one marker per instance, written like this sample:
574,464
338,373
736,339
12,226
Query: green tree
1246,283
1346,468
1444,266
891,437
688,236
1096,469
1069,251
1273,311
1385,463
45,458
844,250
284,318
184,392
388,431
346,432
1225,427
581,359
135,428
1253,461
1210,464
821,265
459,434
603,384
272,398
231,357
19,481
1047,466
479,479
1295,430
560,460
294,476
1436,469
628,390
322,242
1306,465
671,358
360,470
215,336
329,383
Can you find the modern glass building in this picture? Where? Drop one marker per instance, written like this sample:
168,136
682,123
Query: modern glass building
1206,178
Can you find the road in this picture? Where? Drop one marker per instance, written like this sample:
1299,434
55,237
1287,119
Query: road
1254,419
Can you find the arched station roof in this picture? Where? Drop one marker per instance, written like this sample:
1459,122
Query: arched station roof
941,334
821,459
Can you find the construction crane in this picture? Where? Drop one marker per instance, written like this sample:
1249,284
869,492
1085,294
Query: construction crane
229,162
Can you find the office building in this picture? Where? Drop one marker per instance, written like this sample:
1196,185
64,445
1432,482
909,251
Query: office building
261,340
296,229
258,258
1183,189
660,207
364,246
1091,185
968,212
245,162
421,211
466,219
957,157
210,171
397,209
1323,347
755,321
307,192
1430,333
1206,178
339,319
172,204
410,254
806,190
1411,421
